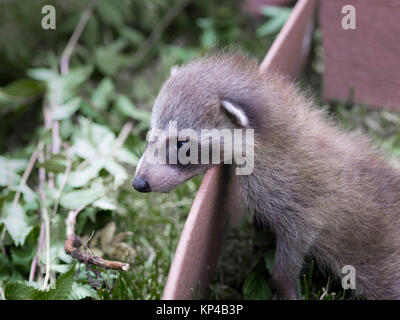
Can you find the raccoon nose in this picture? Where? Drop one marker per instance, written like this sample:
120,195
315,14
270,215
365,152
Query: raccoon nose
141,184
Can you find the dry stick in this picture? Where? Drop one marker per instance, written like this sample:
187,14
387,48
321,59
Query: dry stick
158,30
34,264
46,219
73,243
28,171
66,174
123,135
64,64
41,236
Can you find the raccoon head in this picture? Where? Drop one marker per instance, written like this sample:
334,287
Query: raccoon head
194,120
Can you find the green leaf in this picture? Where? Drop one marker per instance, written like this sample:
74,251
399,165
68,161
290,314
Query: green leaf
63,288
16,93
42,74
80,178
16,165
69,84
126,107
81,198
124,155
109,13
102,94
105,203
67,109
30,197
81,291
23,256
57,163
132,35
118,171
277,18
16,222
272,26
23,88
275,11
91,34
108,59
256,286
21,290
8,169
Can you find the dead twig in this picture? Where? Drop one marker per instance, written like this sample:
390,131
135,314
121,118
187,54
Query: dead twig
66,55
73,243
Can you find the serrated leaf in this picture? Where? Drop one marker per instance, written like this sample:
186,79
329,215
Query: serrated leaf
16,222
63,288
81,291
81,198
21,290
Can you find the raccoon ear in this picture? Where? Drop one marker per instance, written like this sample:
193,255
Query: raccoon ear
235,112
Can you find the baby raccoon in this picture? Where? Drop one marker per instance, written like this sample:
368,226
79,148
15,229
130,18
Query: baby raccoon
323,192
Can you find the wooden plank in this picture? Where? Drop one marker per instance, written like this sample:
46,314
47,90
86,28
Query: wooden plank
365,59
218,197
199,245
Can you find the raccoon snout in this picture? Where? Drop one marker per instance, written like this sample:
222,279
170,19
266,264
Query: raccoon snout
141,184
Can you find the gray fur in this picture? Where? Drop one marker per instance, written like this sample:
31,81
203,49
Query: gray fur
323,191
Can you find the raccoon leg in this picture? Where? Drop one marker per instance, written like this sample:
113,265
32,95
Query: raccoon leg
287,266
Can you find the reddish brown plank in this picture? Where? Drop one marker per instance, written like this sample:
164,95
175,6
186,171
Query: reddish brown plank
367,58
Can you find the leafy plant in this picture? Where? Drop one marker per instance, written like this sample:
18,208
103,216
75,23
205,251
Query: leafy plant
277,17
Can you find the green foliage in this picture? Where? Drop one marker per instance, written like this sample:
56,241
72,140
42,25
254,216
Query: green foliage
106,88
256,286
277,17
17,222
65,289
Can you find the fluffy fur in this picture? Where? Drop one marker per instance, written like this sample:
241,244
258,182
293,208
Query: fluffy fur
323,191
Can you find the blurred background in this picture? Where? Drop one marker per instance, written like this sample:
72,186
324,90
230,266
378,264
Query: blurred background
69,142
